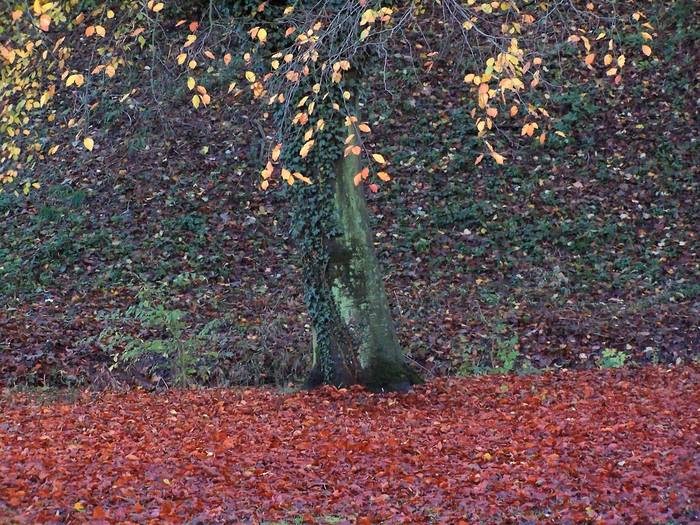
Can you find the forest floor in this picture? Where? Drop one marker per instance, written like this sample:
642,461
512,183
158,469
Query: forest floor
602,446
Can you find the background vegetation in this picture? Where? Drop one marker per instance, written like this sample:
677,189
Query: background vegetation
157,259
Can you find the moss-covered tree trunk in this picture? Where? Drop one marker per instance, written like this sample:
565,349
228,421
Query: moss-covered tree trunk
358,287
354,336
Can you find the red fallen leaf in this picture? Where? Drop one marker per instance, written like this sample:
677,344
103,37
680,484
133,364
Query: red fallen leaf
553,458
363,520
166,508
99,513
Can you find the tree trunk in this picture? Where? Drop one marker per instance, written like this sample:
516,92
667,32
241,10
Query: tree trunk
358,288
354,337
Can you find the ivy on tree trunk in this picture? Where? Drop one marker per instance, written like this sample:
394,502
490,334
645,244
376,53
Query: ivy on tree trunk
354,336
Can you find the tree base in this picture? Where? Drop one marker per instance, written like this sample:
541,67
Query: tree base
381,375
341,378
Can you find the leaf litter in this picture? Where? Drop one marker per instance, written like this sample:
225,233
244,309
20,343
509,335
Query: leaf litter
597,446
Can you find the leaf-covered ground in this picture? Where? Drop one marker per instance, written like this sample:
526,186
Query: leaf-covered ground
573,447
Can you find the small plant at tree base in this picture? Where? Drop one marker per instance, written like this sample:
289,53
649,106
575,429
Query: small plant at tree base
502,355
171,353
612,358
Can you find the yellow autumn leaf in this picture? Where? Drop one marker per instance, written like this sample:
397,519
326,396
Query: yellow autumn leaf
100,31
498,157
88,143
378,158
646,50
621,61
158,7
364,128
195,101
383,175
262,35
287,176
79,80
304,151
181,58
276,151
250,76
110,71
302,178
191,83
